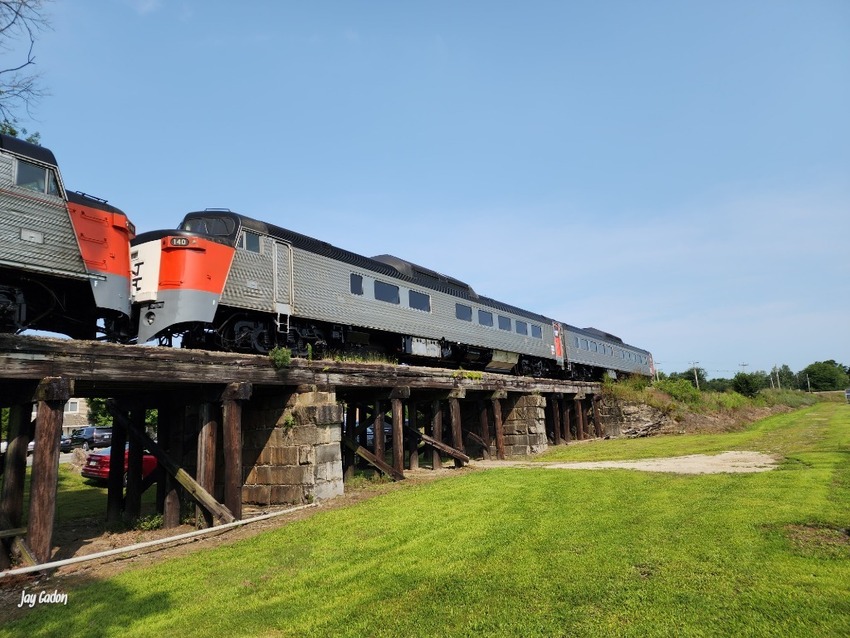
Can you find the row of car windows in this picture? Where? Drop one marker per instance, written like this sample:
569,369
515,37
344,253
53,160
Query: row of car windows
391,293
604,348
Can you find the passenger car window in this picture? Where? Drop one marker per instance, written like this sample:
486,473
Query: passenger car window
419,301
485,318
536,332
386,292
356,284
464,313
504,323
521,328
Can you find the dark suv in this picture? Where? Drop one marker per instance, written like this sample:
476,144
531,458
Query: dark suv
91,437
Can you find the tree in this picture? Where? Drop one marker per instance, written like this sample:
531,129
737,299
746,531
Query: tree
785,378
688,375
749,384
717,385
823,376
99,415
20,21
11,128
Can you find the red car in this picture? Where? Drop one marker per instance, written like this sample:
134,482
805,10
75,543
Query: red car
97,464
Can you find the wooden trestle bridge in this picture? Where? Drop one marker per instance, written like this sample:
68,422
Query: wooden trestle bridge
233,429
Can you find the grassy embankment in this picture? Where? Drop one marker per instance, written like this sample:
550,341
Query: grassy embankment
526,552
680,400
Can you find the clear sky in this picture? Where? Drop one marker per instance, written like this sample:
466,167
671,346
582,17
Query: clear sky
674,172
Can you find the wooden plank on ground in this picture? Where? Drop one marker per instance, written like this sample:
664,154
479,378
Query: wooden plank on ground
477,439
365,454
442,447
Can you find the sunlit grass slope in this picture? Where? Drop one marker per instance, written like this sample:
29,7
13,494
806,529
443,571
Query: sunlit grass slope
528,552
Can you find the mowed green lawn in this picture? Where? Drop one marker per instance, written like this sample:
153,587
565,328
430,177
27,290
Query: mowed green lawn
527,552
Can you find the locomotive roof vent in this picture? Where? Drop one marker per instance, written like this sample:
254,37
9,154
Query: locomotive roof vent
604,335
420,272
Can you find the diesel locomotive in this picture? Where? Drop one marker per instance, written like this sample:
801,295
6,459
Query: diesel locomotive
64,256
225,281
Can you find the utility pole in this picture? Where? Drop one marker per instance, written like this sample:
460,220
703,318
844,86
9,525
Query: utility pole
743,365
809,383
778,382
696,378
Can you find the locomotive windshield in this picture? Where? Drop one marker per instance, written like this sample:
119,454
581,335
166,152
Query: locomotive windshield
212,225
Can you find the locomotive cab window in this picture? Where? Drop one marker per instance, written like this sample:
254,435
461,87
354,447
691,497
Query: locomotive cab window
419,301
356,284
249,241
464,313
386,292
36,178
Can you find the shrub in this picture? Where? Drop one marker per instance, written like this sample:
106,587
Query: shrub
727,400
280,357
680,389
149,523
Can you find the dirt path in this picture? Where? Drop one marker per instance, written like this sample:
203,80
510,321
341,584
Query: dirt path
727,462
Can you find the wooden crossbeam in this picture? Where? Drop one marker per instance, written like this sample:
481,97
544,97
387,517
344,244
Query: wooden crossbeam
370,458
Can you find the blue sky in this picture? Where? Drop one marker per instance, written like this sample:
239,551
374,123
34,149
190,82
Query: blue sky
676,173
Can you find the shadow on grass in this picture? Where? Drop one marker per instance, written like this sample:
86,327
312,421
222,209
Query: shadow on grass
93,608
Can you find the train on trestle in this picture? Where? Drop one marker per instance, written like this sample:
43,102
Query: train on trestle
64,256
224,281
70,263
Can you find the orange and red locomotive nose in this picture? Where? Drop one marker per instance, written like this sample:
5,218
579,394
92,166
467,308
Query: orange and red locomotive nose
176,277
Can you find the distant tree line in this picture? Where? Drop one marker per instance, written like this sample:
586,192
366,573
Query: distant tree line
820,376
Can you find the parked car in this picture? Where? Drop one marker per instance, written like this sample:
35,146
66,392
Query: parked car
64,445
91,437
97,464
